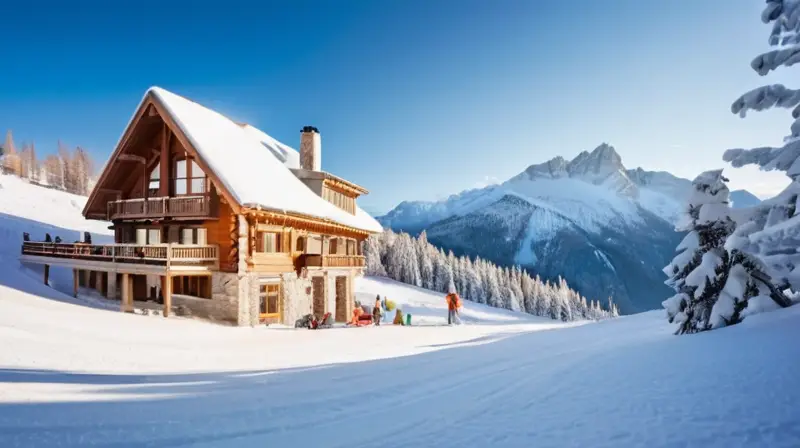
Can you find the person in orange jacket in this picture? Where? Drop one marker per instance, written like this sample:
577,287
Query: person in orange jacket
453,304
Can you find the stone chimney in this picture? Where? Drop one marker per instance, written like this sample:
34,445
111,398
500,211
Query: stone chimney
310,149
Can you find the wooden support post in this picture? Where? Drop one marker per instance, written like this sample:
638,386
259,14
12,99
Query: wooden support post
167,293
126,292
46,274
75,274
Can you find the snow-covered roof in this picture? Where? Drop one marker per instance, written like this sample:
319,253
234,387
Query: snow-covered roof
252,166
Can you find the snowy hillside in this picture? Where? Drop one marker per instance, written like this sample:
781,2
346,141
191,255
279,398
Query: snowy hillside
73,375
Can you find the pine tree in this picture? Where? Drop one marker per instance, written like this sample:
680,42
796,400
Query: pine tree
474,290
700,270
372,255
425,262
774,249
399,256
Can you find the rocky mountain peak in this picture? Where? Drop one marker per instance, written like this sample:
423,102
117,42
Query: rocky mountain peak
603,160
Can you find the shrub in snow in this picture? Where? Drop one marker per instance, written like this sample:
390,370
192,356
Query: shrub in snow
770,232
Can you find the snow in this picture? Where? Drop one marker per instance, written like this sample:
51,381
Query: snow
602,256
74,375
253,175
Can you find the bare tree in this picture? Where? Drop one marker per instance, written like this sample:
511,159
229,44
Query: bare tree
11,160
82,167
54,171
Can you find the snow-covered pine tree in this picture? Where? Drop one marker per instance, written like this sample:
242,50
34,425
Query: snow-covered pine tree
528,293
474,291
564,300
699,271
425,262
771,231
517,299
494,295
372,255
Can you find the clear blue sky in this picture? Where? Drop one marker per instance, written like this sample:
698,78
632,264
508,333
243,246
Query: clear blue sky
414,99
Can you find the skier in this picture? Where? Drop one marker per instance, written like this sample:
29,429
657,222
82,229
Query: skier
376,311
453,304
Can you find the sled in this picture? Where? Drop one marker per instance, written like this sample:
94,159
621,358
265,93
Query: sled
326,322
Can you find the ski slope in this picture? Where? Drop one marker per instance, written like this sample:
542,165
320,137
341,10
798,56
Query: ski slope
77,375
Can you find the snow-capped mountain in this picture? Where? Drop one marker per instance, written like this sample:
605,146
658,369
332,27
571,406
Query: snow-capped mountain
607,229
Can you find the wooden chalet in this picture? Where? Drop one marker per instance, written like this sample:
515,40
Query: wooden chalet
219,217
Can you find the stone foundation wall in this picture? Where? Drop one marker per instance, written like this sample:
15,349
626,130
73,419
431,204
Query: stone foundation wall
296,300
214,310
224,303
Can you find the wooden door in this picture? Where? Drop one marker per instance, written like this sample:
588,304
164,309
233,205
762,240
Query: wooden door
318,295
341,299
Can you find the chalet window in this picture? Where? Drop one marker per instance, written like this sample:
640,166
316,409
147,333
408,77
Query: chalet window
334,246
301,244
180,177
146,236
268,300
269,242
197,181
194,235
189,177
155,181
351,247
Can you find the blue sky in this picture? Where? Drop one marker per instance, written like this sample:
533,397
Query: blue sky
414,99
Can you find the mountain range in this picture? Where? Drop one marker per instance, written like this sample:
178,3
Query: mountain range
607,229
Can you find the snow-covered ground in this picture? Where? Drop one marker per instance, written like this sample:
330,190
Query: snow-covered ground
73,375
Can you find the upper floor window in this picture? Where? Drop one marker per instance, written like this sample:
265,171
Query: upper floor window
189,177
269,242
155,181
194,235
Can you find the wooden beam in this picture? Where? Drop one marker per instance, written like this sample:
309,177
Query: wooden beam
126,293
46,274
166,291
132,158
163,187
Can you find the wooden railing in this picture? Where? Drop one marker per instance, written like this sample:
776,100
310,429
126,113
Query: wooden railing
159,254
335,261
161,207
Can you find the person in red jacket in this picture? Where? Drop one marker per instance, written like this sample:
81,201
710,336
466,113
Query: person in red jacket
453,304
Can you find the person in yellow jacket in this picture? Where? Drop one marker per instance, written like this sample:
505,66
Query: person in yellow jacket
398,317
453,304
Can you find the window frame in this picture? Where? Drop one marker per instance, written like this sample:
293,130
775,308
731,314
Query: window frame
155,177
261,242
265,292
177,180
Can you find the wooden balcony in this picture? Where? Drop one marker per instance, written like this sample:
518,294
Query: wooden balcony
168,256
161,207
334,261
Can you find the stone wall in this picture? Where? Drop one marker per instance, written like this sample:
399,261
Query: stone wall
224,303
214,310
296,300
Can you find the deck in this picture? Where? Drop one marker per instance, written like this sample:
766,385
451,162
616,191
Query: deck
160,207
335,261
123,257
